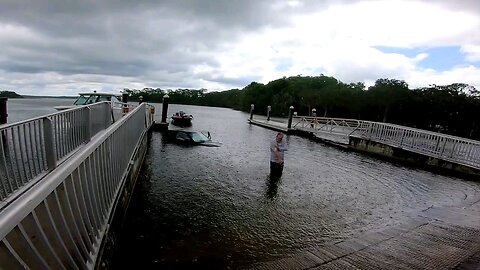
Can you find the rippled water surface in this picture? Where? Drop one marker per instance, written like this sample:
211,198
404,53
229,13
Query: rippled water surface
217,208
25,108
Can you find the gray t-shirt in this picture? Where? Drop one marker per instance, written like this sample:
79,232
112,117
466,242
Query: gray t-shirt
277,147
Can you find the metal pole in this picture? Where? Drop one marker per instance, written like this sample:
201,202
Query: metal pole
251,111
3,110
88,124
165,108
290,116
269,108
49,144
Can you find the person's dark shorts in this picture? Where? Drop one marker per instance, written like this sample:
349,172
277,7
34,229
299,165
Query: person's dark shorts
276,169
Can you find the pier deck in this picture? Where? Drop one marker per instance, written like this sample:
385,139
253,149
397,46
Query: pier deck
276,125
435,238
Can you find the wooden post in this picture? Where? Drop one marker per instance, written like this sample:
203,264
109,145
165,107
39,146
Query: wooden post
125,108
251,111
166,98
290,116
3,110
314,120
125,98
3,119
269,108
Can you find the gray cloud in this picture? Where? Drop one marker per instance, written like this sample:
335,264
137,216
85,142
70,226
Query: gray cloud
133,42
124,38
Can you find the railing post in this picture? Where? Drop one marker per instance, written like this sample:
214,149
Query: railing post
269,108
88,125
49,143
166,98
3,110
251,111
290,116
109,114
403,136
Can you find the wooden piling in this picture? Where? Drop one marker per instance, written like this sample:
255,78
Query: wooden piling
290,116
3,110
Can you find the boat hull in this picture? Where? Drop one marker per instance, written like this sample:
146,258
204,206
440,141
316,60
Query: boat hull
182,121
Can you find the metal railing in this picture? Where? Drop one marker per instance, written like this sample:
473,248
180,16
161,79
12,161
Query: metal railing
31,148
328,125
61,222
450,148
446,147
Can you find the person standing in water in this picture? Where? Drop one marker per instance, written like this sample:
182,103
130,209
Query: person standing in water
277,149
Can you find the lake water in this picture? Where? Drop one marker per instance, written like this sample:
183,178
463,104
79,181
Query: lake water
216,208
24,108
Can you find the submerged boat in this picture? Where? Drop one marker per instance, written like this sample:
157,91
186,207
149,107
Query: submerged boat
188,137
182,119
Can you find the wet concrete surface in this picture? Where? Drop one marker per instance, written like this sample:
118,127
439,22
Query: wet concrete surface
217,208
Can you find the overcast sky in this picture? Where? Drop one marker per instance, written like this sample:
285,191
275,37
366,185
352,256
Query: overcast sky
65,47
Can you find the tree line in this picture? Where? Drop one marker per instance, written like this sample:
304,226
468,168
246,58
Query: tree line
10,94
452,109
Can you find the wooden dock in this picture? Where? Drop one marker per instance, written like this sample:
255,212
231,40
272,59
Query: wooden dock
435,238
272,124
339,139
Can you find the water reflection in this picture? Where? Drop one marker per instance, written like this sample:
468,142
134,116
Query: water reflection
272,186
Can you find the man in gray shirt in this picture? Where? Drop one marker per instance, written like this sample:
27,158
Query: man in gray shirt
277,147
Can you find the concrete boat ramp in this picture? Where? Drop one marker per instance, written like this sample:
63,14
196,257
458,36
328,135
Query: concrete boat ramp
435,238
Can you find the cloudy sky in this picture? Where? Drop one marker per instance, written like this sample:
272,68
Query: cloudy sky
64,47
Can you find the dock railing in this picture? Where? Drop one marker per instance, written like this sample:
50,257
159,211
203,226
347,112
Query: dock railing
61,221
446,147
31,148
442,146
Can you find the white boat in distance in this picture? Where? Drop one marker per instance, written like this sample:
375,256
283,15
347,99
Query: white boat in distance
118,108
90,98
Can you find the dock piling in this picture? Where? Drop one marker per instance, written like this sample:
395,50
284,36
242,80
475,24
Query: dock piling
290,116
3,110
269,108
163,125
125,101
251,111
166,98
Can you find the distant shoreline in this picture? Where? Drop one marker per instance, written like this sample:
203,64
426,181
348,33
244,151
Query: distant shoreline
69,97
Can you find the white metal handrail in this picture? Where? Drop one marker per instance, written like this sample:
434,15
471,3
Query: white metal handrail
446,147
330,125
60,223
31,148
